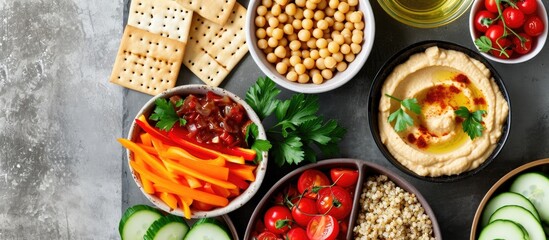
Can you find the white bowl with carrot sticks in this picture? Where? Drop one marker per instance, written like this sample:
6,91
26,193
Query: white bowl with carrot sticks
190,151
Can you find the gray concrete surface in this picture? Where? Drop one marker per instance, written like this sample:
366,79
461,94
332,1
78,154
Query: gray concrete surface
60,167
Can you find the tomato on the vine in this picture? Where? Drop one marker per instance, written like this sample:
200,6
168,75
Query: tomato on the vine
296,234
496,34
534,26
334,201
303,211
344,177
492,6
289,193
513,17
323,227
267,236
522,47
527,6
278,219
309,180
483,20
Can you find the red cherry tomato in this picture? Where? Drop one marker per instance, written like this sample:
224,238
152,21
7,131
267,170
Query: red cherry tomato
267,236
534,26
483,20
303,211
343,228
289,193
513,17
296,234
523,47
309,179
323,227
503,53
527,6
492,6
495,34
334,201
278,219
344,177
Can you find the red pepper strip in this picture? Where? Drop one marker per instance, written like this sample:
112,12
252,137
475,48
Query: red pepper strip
247,154
239,182
154,133
210,153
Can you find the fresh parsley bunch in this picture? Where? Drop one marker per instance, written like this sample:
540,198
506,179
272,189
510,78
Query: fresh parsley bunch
298,129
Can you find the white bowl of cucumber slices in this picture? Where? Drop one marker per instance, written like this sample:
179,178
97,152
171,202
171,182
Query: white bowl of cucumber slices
517,206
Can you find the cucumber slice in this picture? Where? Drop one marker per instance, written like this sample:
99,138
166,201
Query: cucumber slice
136,220
208,229
535,187
503,229
523,217
505,199
169,227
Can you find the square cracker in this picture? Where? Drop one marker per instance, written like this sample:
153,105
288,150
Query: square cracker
164,17
213,51
217,11
147,62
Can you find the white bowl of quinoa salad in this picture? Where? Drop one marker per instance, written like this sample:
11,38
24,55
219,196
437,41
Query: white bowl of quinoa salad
385,206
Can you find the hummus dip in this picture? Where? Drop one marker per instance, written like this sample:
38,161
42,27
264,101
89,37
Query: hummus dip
442,81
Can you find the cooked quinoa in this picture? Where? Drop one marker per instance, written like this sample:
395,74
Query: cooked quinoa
389,212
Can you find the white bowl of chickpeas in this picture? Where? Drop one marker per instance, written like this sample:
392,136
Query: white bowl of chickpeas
310,46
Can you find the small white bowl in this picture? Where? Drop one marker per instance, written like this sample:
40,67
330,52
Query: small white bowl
259,172
339,78
537,47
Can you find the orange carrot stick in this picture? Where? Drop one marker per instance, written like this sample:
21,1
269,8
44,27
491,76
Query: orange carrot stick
192,181
147,184
150,160
180,154
221,191
236,180
186,208
183,170
145,139
163,185
218,172
148,149
206,151
168,198
243,171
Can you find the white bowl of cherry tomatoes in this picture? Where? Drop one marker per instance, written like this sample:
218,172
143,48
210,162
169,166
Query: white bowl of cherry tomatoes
513,32
322,200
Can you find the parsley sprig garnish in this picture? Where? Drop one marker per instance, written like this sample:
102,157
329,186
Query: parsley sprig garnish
165,115
298,129
258,145
472,121
403,120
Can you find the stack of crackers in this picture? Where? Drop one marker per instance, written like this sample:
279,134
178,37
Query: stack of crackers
207,36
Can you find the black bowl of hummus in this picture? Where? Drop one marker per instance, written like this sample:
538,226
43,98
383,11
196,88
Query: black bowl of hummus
439,111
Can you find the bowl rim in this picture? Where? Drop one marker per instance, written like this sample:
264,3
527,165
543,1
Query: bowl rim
496,187
235,203
364,167
351,71
374,98
541,39
397,16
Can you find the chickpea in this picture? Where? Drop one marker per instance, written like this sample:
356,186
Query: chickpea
322,24
309,63
272,42
330,62
343,7
316,1
276,10
297,24
310,5
269,31
304,35
352,3
300,68
339,26
260,21
261,10
300,3
295,45
322,5
338,56
268,15
299,14
278,33
308,13
311,43
273,22
283,18
339,16
267,3
330,21
320,64
280,52
292,37
282,2
355,48
324,52
317,33
271,57
341,66
345,48
333,4
319,15
303,78
333,47
296,53
349,57
321,43
286,61
289,29
339,39
314,54
292,76
357,39
356,17
330,12
281,68
291,9
346,33
262,44
350,26
327,74
317,78
359,25
305,54
294,60
260,33
307,24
